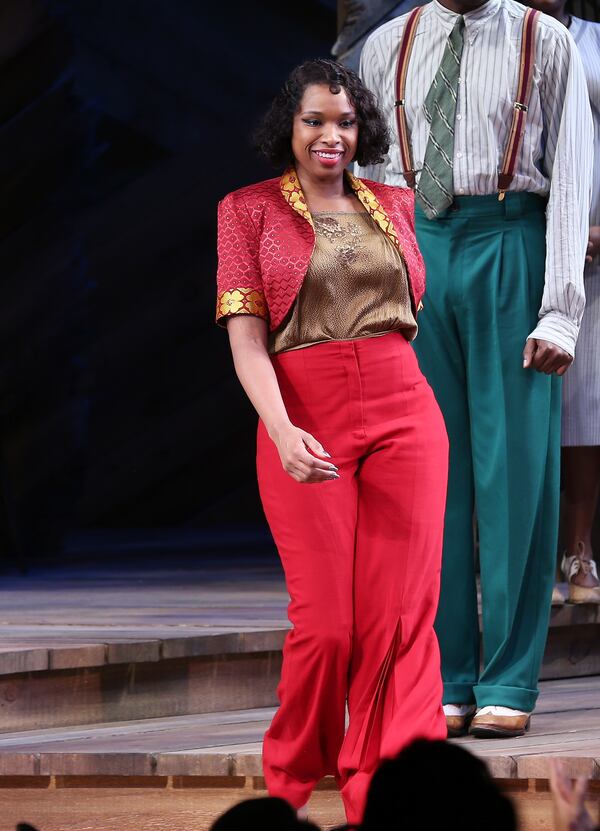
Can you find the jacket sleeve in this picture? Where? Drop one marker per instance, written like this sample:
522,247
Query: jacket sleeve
239,282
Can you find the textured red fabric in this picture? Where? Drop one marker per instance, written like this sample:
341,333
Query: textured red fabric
362,558
265,245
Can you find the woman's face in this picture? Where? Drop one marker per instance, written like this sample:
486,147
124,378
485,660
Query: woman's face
324,132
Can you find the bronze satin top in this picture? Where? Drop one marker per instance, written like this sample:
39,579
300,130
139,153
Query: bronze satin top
356,286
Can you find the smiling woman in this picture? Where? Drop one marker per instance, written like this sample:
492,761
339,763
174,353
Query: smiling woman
274,136
319,284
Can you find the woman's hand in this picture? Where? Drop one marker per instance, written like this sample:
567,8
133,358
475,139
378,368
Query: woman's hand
593,248
293,445
248,337
570,813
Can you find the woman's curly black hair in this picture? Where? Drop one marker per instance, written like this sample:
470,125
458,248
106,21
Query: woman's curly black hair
273,138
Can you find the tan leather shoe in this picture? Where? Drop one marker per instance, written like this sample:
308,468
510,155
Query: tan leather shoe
458,718
581,575
499,723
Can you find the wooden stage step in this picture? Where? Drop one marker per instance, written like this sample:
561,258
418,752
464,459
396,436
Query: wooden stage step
136,697
127,637
87,645
566,724
179,773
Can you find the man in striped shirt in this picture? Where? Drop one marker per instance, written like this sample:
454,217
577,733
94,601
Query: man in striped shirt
581,387
502,312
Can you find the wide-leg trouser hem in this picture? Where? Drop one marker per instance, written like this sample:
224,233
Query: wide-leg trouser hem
285,787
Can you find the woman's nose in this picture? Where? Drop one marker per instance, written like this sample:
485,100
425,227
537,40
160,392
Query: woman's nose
330,134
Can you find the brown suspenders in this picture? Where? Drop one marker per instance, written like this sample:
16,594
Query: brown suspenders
521,105
406,45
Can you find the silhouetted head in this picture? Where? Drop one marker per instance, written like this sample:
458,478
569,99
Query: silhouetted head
436,785
265,814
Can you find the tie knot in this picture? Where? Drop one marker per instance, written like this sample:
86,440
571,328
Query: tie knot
459,25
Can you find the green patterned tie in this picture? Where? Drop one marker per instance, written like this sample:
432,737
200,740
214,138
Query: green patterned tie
435,188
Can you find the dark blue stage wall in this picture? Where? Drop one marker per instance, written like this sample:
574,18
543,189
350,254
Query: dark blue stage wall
121,125
122,122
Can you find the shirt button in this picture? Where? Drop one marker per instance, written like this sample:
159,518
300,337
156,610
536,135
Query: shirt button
458,117
459,155
460,80
461,190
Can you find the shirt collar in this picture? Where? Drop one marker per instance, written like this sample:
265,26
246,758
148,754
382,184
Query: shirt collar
473,20
291,190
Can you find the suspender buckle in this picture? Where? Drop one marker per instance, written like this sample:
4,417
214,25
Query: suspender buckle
399,102
523,107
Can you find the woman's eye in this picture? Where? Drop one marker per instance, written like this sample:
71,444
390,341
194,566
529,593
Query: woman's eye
312,122
347,123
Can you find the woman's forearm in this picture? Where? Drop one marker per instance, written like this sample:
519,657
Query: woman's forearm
256,374
301,454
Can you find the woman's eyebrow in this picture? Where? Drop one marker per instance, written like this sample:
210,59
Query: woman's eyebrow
318,112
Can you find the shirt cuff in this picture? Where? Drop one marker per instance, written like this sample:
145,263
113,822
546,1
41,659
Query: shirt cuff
241,301
557,329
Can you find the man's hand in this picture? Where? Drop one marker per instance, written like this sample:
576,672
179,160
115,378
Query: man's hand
545,357
593,248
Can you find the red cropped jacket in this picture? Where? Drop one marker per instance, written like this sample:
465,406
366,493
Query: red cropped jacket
266,239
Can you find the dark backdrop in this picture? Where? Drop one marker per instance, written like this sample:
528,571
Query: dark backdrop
122,122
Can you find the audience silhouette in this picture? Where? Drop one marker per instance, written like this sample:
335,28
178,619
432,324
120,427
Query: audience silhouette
265,814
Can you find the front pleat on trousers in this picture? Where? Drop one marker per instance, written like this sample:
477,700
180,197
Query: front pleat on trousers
485,272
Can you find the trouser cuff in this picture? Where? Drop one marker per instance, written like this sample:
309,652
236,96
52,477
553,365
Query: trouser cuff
458,693
518,698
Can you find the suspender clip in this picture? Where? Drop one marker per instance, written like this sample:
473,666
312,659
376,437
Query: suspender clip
501,196
523,107
399,103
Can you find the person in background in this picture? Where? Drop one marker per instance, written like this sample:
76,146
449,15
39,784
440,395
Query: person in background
568,796
581,385
493,130
319,284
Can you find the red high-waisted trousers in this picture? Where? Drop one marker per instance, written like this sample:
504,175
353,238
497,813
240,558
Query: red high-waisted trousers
362,558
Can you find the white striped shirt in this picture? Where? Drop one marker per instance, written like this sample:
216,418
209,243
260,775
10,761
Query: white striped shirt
556,156
581,385
587,38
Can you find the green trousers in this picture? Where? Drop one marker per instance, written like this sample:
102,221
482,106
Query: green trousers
485,277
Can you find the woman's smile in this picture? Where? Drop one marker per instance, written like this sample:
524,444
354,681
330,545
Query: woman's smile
329,158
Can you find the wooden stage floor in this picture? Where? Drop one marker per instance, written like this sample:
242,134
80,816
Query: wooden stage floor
139,697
